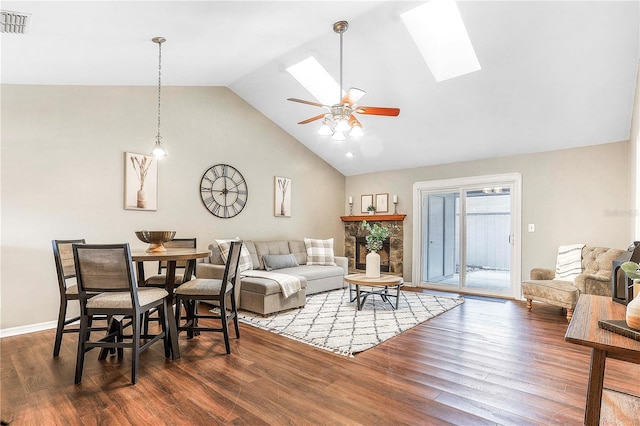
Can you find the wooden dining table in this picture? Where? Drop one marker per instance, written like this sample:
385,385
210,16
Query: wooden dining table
172,256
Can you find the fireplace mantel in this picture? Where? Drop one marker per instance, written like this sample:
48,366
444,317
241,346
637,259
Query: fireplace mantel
374,218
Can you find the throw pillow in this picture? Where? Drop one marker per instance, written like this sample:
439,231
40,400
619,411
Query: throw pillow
279,261
245,257
569,262
320,252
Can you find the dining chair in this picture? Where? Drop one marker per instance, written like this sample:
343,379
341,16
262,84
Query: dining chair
220,292
160,279
66,272
107,269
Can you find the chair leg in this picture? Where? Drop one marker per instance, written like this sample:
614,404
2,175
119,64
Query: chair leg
164,323
82,338
113,326
178,312
529,304
225,325
145,321
135,353
234,311
60,329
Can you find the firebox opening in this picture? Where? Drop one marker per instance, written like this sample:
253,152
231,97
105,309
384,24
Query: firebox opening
361,254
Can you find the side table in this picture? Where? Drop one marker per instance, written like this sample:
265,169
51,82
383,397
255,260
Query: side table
583,330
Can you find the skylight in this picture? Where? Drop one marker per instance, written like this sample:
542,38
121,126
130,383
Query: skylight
313,77
438,31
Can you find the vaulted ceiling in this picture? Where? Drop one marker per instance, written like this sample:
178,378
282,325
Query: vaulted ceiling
555,74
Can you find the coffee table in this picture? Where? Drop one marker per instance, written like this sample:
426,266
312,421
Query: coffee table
383,284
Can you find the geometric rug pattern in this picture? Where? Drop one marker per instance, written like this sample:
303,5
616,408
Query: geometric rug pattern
331,322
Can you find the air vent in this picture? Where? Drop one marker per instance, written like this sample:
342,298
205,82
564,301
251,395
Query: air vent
14,22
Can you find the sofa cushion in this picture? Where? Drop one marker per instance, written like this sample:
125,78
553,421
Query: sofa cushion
320,252
269,247
599,260
299,250
245,257
562,292
279,261
314,272
264,285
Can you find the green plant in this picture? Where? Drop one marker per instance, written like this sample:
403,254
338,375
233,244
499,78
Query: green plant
631,269
371,208
377,234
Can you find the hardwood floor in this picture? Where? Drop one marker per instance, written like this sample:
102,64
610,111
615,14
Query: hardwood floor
484,362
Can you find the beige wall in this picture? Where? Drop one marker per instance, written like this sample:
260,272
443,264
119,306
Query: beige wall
634,162
576,195
62,177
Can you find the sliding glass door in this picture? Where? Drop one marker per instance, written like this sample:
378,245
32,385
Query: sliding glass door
467,235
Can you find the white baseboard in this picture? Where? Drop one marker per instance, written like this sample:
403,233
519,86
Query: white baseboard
24,329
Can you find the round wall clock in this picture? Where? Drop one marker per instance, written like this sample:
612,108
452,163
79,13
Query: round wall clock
223,191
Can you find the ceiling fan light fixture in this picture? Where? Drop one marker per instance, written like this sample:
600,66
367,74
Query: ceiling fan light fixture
356,132
339,120
325,130
343,125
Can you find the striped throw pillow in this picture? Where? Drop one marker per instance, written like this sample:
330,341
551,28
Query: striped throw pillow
569,262
320,252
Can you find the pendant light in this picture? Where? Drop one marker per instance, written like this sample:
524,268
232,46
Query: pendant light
158,150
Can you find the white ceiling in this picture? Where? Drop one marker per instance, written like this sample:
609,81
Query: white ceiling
555,74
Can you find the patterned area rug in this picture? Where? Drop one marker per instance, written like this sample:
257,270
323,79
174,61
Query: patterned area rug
331,322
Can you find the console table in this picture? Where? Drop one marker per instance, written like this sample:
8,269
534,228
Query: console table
583,330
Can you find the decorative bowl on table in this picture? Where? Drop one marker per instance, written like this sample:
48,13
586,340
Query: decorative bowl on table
156,239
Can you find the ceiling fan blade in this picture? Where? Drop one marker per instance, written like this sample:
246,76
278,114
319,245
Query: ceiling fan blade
353,121
392,112
307,102
353,96
309,120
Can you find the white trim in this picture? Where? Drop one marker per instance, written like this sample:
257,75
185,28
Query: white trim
457,184
24,329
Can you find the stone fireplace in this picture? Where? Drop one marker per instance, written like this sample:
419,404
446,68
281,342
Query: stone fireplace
391,255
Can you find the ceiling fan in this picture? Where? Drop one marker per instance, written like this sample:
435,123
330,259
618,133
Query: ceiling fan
340,117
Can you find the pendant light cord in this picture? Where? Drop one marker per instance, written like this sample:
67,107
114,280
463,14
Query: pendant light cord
158,137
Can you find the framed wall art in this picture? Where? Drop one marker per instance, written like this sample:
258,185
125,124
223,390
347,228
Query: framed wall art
140,182
282,197
382,203
365,201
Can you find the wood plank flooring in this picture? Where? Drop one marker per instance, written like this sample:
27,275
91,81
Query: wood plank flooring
484,362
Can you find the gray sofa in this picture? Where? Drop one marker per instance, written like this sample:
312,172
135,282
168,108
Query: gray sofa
264,296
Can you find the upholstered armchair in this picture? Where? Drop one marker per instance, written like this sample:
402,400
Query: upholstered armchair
595,278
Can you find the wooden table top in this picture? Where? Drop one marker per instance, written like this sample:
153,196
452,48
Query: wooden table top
584,330
171,254
383,280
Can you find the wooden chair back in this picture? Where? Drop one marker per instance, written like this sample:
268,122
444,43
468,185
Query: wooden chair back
104,268
64,260
177,243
